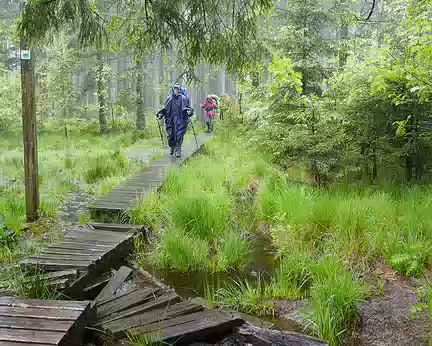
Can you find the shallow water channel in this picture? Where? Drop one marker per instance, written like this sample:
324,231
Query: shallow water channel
260,265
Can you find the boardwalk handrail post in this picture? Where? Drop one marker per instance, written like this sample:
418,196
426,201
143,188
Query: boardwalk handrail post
28,82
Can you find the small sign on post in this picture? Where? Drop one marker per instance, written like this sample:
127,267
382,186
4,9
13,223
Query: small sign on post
25,55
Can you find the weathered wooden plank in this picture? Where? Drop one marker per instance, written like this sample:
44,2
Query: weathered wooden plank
95,242
114,284
165,300
77,247
193,327
31,336
54,265
127,301
34,324
117,328
16,343
82,244
114,227
51,314
105,234
88,252
117,296
67,257
44,304
93,239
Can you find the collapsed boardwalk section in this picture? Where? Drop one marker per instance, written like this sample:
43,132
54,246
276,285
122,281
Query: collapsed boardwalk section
149,180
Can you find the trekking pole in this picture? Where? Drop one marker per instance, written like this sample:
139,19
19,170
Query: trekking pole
193,130
160,132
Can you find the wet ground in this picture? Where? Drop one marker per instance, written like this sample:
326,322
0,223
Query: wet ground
387,319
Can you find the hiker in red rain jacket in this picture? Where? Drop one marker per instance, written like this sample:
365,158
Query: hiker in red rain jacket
210,107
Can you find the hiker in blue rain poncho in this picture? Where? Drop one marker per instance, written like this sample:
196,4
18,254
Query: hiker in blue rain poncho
176,114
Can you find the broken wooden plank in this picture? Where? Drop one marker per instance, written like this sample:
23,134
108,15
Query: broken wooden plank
117,327
126,301
165,300
114,284
189,328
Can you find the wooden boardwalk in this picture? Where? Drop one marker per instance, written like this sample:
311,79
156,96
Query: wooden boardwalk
75,261
150,179
43,323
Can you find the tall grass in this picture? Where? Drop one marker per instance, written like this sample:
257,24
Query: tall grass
243,295
232,248
181,251
334,295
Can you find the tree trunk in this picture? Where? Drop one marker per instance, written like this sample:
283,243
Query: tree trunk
28,82
408,167
101,95
140,115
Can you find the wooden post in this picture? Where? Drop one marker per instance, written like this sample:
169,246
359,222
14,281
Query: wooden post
28,82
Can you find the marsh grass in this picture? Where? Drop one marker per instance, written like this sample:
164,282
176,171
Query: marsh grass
181,251
30,285
248,297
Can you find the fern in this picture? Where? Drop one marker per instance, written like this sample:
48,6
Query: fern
409,265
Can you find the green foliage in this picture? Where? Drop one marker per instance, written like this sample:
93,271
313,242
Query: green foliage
409,264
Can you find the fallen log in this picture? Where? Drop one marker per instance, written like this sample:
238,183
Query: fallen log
250,334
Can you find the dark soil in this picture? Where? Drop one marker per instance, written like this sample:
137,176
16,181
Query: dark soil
387,319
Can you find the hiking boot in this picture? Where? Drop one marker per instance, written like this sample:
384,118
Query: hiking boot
171,151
